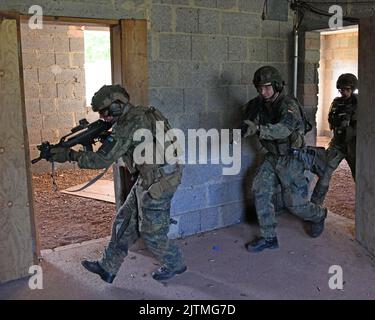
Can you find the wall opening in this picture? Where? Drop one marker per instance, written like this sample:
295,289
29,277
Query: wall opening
63,66
338,54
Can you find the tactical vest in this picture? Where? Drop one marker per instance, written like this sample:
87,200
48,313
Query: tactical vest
157,178
342,115
272,115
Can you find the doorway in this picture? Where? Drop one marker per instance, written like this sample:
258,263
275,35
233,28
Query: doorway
338,55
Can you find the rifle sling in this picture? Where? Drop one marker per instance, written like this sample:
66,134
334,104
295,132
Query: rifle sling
92,181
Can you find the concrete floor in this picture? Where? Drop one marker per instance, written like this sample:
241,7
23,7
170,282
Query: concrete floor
218,268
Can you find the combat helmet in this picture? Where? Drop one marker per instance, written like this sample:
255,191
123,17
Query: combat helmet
107,95
347,80
268,74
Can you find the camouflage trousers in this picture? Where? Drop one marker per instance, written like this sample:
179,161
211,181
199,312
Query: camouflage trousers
334,154
288,172
142,216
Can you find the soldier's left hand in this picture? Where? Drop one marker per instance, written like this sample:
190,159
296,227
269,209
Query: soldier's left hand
252,128
59,154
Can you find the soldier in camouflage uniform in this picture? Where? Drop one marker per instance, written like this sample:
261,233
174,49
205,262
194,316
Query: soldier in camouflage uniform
146,210
279,122
342,120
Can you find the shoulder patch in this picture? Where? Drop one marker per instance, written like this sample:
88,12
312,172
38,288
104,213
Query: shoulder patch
107,146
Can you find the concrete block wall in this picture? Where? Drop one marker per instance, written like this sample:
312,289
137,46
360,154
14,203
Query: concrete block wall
54,80
201,56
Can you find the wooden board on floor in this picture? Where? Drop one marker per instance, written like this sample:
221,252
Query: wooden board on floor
100,190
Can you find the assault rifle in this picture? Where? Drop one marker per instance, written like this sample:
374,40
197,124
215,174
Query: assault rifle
85,134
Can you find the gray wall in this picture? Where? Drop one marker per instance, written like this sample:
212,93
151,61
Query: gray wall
202,55
365,183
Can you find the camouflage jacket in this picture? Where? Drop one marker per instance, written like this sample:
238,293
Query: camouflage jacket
280,123
120,144
342,118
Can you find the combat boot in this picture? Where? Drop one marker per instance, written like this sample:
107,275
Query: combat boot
259,245
163,273
94,267
317,228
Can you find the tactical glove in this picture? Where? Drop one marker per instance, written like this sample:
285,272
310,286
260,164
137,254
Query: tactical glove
61,155
251,128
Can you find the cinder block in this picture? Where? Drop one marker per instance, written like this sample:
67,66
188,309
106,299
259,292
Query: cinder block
170,101
309,100
29,60
51,135
77,60
79,90
34,121
189,199
227,4
71,105
217,98
276,51
65,90
200,174
209,219
312,55
194,100
71,76
237,49
44,43
209,21
197,74
32,106
61,44
63,60
48,105
205,3
60,122
187,20
76,45
30,75
46,59
210,48
162,74
210,120
48,90
34,137
189,223
313,44
161,19
72,33
220,193
247,25
231,73
257,50
183,2
232,213
185,121
31,90
175,47
255,6
270,29
45,75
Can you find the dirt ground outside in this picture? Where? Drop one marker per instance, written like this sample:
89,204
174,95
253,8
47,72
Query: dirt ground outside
64,219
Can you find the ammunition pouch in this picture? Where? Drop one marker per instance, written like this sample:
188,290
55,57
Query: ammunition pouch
157,180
